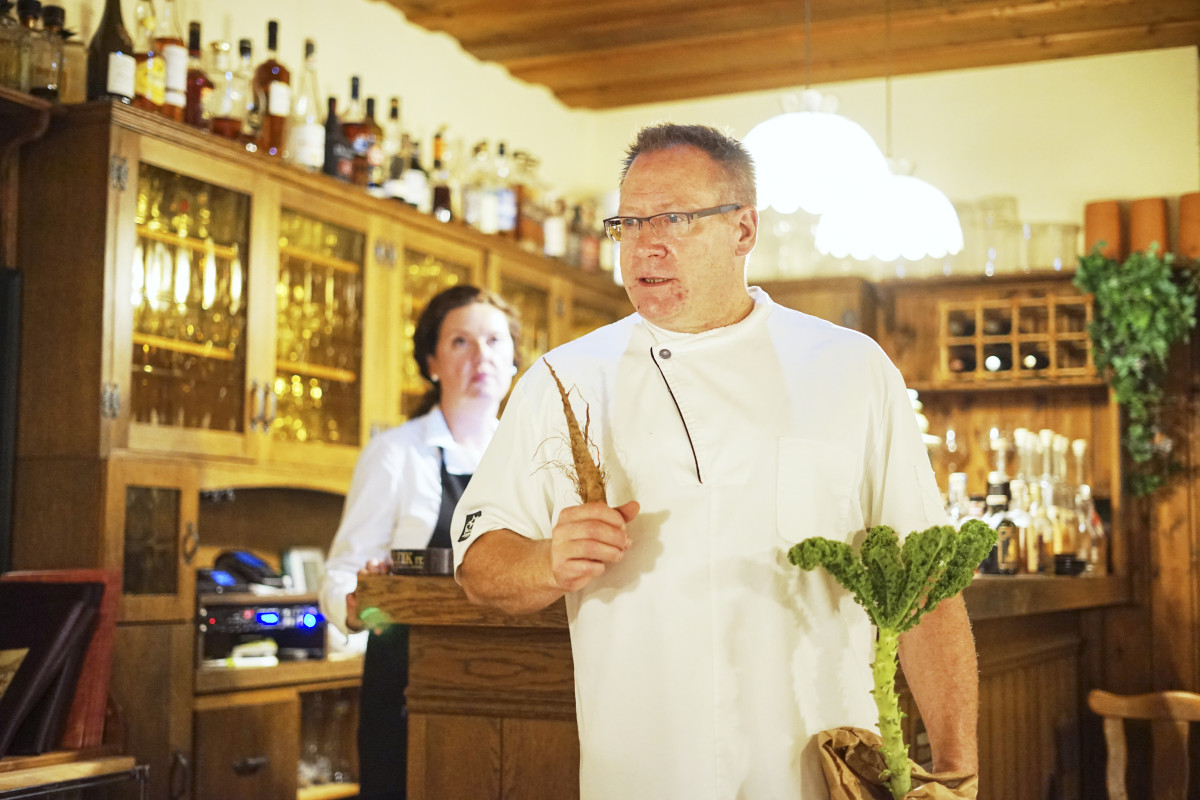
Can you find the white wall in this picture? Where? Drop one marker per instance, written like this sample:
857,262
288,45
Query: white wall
1054,134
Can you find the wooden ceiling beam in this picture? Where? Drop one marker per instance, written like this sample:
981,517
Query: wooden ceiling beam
837,43
607,94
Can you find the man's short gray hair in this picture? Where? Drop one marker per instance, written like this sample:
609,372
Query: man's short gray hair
729,153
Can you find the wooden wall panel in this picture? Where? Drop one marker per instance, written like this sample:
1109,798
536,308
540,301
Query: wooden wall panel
552,744
453,756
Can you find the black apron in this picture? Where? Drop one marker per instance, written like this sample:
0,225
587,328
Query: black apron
383,715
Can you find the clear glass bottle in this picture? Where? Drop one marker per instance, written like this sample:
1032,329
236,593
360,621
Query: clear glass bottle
395,155
251,111
416,181
1040,538
1062,505
170,45
306,128
46,55
506,195
273,95
226,104
10,47
1093,541
957,501
72,86
111,64
29,12
199,85
1018,512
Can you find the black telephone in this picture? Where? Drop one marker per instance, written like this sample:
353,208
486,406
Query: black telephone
249,567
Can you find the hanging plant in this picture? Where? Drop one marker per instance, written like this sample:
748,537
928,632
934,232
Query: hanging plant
1141,308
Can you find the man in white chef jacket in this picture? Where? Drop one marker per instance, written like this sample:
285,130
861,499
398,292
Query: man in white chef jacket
730,428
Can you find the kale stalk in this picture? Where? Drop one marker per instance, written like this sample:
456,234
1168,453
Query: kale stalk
897,585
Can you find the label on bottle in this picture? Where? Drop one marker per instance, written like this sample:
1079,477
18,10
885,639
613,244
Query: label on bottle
279,99
175,63
150,80
506,210
1008,550
122,68
307,145
554,235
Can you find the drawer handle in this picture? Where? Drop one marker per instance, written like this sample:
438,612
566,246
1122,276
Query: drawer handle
251,765
179,775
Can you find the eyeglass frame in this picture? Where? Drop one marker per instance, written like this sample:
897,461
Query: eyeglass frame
689,215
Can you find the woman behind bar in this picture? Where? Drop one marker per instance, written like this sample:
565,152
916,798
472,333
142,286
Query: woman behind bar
405,486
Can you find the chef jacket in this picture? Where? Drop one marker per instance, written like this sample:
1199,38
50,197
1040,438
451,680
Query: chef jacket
392,503
704,662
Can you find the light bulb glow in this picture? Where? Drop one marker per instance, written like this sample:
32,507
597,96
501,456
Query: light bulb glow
898,217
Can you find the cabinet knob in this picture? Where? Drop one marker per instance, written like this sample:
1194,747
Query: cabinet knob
191,543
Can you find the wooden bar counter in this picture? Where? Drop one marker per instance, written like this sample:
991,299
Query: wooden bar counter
492,705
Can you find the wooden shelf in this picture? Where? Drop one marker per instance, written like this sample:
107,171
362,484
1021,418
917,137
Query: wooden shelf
197,245
316,371
328,791
1005,384
212,680
289,253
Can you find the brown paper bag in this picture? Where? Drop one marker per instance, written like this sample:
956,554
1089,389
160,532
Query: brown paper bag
852,762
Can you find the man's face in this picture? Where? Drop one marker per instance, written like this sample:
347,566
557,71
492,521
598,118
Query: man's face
695,281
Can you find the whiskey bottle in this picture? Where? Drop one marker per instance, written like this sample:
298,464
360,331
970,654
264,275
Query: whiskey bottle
273,95
339,157
168,42
352,130
111,63
306,129
370,146
442,205
199,86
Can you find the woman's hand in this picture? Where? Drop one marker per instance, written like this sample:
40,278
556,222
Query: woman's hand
373,567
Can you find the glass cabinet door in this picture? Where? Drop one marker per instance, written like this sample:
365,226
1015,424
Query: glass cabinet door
152,537
188,296
427,270
318,332
532,301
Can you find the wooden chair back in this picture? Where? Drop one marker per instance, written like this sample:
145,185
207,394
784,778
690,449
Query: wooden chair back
1169,714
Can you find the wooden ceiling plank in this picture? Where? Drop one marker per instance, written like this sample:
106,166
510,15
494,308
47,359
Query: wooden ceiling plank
766,77
835,42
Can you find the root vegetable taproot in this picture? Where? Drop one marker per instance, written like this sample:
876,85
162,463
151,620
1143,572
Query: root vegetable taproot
588,476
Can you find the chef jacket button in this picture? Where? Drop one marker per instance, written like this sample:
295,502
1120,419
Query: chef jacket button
664,353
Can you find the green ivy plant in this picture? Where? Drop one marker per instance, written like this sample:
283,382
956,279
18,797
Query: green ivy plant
1141,308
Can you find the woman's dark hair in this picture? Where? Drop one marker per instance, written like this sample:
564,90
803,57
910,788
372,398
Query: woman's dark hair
429,330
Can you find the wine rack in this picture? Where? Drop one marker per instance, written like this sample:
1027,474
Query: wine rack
1016,339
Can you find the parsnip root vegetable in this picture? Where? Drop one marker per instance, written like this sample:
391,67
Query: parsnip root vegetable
589,476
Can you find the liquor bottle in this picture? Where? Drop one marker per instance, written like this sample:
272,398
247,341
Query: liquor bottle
575,238
111,63
273,95
306,129
1018,512
251,111
506,196
10,47
995,516
395,152
199,86
957,502
589,241
150,81
72,86
1040,538
168,42
370,144
531,216
29,12
554,230
416,181
1093,543
479,198
442,204
226,104
1062,505
46,55
339,156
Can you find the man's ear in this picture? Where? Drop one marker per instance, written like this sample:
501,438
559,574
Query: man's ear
747,230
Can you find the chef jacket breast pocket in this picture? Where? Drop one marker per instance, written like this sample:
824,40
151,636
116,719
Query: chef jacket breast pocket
818,491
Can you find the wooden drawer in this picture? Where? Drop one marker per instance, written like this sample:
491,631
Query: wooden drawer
247,745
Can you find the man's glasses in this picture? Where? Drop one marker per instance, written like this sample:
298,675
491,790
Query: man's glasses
669,224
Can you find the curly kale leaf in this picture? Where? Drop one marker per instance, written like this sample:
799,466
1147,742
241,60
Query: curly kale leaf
897,584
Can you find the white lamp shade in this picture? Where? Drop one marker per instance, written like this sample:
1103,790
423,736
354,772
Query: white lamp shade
812,160
898,217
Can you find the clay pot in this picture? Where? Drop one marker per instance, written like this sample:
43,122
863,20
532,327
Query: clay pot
1189,226
1148,224
1102,224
